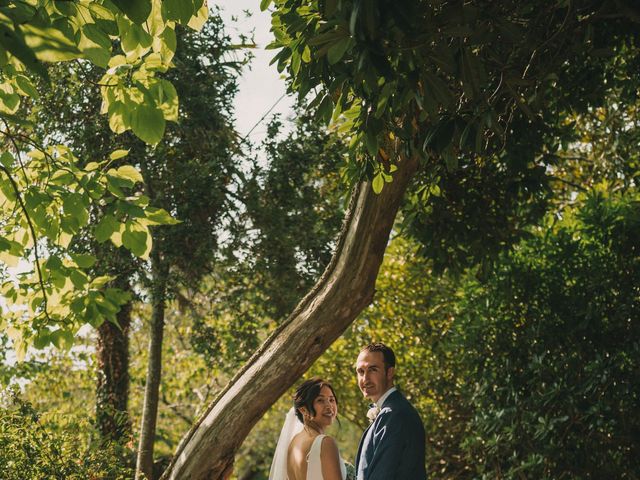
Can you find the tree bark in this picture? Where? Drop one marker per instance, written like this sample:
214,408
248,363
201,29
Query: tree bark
112,389
144,462
343,291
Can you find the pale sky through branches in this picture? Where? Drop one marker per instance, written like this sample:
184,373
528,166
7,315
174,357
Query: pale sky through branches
260,85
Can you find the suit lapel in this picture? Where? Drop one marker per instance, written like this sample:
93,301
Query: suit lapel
366,442
361,444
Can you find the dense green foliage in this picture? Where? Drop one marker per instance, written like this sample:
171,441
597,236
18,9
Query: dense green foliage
527,372
510,292
55,447
551,348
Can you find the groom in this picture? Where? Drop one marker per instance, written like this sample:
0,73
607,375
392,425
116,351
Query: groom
392,448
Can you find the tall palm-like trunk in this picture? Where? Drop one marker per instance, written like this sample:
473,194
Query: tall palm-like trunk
144,463
344,290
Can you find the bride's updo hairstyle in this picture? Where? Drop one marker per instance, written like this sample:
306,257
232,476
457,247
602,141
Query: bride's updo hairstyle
307,393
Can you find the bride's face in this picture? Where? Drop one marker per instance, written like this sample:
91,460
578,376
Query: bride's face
325,406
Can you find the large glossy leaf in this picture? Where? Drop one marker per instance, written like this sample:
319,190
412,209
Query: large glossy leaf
148,123
50,44
137,10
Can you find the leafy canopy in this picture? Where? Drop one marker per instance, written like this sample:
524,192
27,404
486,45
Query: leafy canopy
45,191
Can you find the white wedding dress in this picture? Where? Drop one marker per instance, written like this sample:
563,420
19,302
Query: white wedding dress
314,466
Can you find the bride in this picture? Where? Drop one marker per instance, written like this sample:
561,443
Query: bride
304,452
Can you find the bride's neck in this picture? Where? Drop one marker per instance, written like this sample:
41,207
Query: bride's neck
313,426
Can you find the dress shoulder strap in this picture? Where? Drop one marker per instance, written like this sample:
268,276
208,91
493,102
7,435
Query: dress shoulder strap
314,465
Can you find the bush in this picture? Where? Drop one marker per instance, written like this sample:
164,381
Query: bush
32,447
551,343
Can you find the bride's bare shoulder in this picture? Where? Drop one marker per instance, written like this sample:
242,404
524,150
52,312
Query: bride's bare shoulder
329,447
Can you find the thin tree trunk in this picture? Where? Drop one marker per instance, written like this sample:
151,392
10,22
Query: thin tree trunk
112,388
144,463
345,289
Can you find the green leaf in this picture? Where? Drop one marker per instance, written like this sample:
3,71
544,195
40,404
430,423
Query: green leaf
473,75
25,87
97,35
178,10
325,109
15,44
439,90
62,339
83,260
95,45
330,7
41,340
99,282
337,50
371,139
6,159
264,4
167,99
155,23
79,279
9,102
53,263
49,44
114,186
148,123
118,154
135,239
198,20
134,37
117,296
378,183
137,10
127,172
450,159
105,228
439,136
166,44
159,216
73,205
119,117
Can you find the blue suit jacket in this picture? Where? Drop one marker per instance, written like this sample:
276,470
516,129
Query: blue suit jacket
392,448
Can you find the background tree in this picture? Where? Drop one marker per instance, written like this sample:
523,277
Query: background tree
418,81
91,138
278,244
191,173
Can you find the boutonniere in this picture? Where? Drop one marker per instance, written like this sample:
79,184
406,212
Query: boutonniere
373,412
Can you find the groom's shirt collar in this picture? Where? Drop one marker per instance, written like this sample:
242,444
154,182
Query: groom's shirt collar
384,396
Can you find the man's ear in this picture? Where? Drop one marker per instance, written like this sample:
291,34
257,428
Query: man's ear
391,373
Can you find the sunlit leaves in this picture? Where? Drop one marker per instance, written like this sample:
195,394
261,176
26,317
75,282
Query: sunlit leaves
49,44
55,206
62,31
148,123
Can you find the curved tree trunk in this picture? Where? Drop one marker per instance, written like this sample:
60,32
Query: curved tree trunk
345,289
144,462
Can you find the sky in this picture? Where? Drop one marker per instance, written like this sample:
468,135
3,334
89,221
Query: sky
261,86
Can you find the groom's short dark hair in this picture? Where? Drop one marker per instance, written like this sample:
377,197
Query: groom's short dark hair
387,353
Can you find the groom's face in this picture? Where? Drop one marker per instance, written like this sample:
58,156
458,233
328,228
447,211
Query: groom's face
373,378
